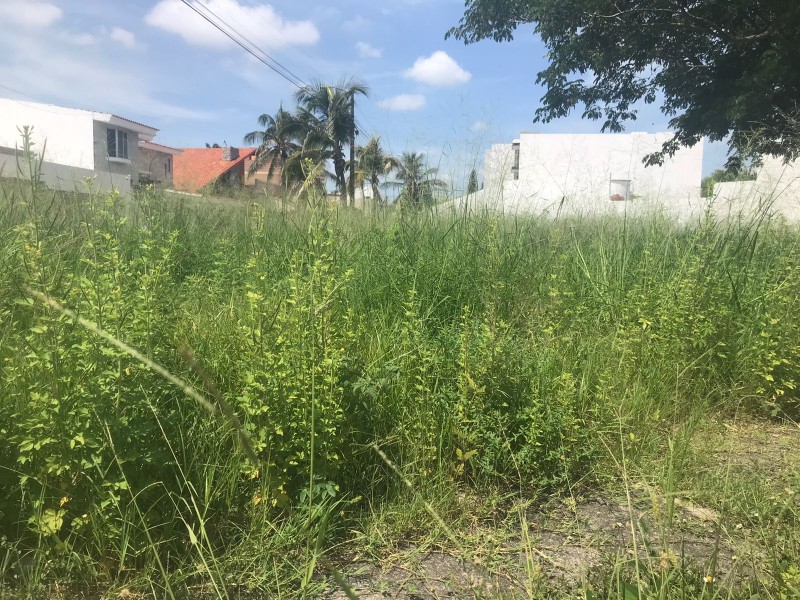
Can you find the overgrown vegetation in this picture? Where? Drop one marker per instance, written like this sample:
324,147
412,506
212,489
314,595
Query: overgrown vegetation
500,359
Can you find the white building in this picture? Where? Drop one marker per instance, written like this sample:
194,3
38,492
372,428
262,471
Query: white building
775,191
75,144
579,174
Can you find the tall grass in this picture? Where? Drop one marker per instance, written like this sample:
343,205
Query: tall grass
472,351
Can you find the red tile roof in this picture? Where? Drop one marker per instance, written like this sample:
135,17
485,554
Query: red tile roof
195,168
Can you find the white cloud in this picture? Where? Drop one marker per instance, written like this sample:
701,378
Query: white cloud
29,13
257,22
51,70
367,51
480,126
403,102
357,23
438,69
123,36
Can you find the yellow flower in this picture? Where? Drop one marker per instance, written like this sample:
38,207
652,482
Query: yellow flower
708,579
63,501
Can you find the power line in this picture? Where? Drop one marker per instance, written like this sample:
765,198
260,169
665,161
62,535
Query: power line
255,51
266,59
273,60
279,69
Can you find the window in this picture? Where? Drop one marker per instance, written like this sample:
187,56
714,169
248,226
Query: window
515,166
619,190
117,141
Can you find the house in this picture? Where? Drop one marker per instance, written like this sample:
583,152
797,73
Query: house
75,146
196,169
260,178
155,163
578,174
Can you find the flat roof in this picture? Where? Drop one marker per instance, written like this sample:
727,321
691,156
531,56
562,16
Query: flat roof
106,117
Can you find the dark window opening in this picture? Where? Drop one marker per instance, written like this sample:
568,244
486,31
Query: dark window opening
515,166
117,143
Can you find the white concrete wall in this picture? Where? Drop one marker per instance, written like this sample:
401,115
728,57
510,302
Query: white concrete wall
574,171
570,175
63,177
775,191
64,134
779,185
71,142
497,176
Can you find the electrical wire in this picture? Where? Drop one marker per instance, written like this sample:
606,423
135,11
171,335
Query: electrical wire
271,59
279,69
258,53
255,51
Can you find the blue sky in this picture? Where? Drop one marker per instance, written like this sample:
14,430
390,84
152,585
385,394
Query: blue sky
157,62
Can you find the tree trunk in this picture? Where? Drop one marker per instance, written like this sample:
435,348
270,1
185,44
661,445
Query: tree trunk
352,149
341,181
376,195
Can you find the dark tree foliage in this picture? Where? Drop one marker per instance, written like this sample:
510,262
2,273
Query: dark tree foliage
718,67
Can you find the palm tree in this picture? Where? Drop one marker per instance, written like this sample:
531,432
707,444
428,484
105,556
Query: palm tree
373,161
327,115
277,141
297,167
418,181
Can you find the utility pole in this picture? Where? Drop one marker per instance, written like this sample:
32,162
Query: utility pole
352,190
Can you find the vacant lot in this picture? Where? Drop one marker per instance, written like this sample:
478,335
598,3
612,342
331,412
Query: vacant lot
393,405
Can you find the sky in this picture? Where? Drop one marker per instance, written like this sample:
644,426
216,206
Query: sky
158,62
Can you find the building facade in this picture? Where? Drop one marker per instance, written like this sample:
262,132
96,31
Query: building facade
577,174
202,169
77,148
156,164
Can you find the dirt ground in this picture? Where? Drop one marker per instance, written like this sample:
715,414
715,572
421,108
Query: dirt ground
555,549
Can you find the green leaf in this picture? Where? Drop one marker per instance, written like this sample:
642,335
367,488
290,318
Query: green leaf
630,592
49,522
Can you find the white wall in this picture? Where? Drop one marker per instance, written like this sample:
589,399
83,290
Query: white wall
62,177
776,191
570,174
65,134
72,143
574,171
497,176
